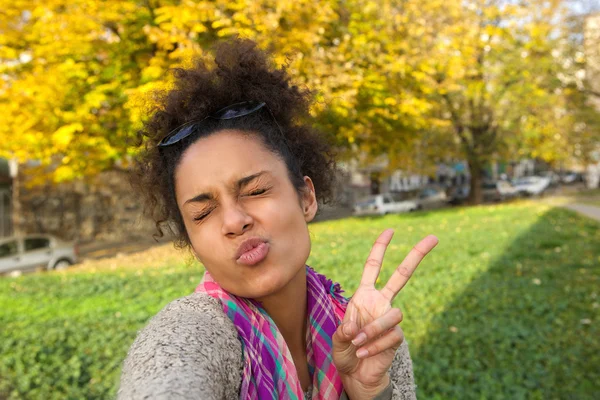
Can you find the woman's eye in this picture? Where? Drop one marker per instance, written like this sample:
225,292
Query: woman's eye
200,217
257,192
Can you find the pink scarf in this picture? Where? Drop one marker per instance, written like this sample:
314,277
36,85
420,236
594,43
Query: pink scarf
269,370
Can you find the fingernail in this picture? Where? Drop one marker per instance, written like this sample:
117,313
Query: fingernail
362,353
359,339
346,329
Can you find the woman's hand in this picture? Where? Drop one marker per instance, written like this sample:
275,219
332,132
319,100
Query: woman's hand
365,343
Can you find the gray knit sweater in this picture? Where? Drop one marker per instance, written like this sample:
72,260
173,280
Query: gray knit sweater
190,350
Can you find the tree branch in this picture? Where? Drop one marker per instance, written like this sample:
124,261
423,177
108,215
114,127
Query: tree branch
459,128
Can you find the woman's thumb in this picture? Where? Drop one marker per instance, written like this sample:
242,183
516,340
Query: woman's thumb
343,349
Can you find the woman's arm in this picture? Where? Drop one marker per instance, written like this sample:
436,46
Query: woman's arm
189,350
401,375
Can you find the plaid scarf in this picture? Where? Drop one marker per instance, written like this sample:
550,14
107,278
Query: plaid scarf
269,370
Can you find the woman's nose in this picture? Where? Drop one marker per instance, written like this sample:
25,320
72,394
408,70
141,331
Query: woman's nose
236,220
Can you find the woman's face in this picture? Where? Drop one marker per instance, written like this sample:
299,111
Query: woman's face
244,218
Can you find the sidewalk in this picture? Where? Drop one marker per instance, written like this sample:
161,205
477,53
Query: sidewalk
99,249
585,209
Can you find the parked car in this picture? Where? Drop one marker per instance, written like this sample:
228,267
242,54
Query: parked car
382,204
570,177
458,194
499,191
33,251
492,191
532,185
431,197
555,179
507,190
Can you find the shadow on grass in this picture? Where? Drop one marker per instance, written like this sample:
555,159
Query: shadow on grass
529,327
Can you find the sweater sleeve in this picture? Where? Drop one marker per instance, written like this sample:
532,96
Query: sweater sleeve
401,375
402,383
189,350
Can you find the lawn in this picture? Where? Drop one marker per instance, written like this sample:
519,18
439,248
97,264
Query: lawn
506,307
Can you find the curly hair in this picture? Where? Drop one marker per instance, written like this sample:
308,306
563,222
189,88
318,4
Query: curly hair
241,72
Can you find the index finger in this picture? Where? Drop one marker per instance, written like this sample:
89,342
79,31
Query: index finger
375,259
406,268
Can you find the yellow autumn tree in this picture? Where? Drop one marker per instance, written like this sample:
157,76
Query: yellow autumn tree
473,78
490,72
77,74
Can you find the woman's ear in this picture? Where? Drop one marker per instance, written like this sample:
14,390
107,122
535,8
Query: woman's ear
309,200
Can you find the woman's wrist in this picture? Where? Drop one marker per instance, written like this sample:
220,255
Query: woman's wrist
359,391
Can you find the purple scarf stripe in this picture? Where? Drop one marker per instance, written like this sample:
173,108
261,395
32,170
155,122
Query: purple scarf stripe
269,371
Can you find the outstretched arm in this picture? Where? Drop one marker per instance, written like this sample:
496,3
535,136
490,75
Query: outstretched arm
186,352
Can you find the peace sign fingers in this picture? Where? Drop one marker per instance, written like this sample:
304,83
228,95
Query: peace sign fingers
406,268
375,259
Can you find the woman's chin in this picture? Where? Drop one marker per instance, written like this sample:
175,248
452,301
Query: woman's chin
262,285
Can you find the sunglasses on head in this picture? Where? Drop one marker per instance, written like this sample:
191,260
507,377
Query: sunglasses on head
233,111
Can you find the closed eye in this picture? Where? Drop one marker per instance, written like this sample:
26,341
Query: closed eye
201,216
256,192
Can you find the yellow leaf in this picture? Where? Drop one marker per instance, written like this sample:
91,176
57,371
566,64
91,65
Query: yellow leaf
63,136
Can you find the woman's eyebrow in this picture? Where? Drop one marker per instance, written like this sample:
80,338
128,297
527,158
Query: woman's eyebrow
238,185
246,180
199,198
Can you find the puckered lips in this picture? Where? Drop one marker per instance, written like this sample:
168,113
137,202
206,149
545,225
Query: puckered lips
252,251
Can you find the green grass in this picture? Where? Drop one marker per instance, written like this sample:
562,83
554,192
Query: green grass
506,307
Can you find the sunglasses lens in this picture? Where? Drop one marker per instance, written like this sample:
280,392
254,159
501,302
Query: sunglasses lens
231,112
181,134
238,110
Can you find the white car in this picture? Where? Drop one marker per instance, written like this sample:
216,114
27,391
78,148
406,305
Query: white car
20,253
571,177
532,185
507,190
431,197
382,204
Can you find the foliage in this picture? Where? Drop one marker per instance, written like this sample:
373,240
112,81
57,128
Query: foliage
390,77
65,75
581,60
505,307
78,76
491,77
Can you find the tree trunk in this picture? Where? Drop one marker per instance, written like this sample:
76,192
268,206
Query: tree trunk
16,204
77,207
476,192
375,183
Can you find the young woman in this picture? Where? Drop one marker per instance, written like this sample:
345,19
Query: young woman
231,167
